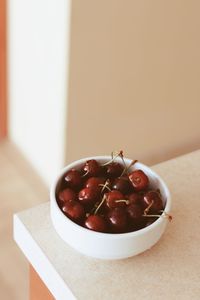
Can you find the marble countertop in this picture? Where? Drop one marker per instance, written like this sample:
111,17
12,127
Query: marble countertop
169,270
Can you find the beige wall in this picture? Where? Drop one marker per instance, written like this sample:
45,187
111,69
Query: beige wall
134,78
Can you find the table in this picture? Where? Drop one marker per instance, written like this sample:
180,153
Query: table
169,270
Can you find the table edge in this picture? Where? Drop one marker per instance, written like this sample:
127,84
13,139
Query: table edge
40,262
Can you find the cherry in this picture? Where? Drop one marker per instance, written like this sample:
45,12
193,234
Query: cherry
152,202
122,184
91,168
114,170
95,183
88,196
117,219
66,195
73,179
150,221
96,223
134,212
74,210
139,180
134,198
112,199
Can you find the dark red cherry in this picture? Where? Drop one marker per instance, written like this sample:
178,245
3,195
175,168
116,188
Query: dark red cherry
112,199
134,198
91,168
122,184
150,221
74,210
66,195
73,179
139,180
96,223
88,196
114,169
152,199
95,183
118,220
134,212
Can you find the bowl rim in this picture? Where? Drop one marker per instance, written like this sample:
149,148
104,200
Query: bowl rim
84,230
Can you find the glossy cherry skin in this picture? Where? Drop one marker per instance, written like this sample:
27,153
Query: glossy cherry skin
74,210
134,212
91,168
134,198
139,180
73,179
88,196
114,170
122,184
117,220
66,195
154,198
112,198
95,183
96,223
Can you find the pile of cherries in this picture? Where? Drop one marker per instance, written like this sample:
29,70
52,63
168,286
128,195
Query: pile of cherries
108,197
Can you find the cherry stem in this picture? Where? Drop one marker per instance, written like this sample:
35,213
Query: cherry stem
93,209
85,174
148,207
105,186
165,215
123,200
114,155
151,216
100,204
132,163
127,168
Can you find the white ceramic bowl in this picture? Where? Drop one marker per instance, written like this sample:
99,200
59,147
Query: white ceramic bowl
108,245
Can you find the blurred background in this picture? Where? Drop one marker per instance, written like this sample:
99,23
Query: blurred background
81,78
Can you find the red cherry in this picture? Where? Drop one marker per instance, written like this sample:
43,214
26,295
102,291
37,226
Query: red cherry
114,170
134,198
112,198
88,196
66,195
74,210
122,184
150,221
152,199
91,168
96,223
139,180
117,219
95,183
73,179
134,212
